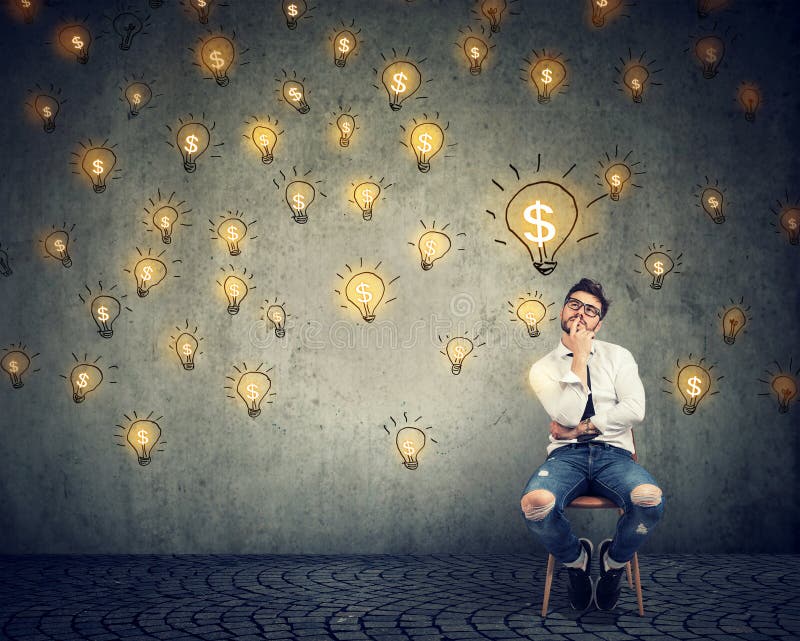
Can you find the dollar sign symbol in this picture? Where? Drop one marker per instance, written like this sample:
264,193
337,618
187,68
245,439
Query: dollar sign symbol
365,295
191,143
542,226
216,59
460,352
659,267
102,313
344,45
98,167
187,349
430,248
346,127
295,93
26,3
694,382
47,113
475,52
602,3
201,3
367,194
165,222
143,440
792,224
399,86
408,446
276,316
83,380
299,201
425,139
263,139
137,98
615,181
292,10
252,391
547,76
13,366
711,54
60,245
234,290
76,40
530,318
147,273
635,83
713,202
232,233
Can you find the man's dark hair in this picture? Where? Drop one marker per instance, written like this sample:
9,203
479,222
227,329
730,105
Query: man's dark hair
595,289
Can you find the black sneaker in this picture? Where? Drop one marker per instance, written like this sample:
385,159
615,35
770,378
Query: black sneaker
579,587
606,593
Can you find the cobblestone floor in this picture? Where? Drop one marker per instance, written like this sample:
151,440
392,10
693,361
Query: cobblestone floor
385,598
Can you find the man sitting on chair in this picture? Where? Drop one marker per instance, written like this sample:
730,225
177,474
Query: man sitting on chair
592,392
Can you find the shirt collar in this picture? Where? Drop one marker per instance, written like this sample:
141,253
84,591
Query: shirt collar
563,352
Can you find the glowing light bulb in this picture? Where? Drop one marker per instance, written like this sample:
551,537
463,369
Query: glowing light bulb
126,26
299,196
616,177
15,364
192,140
493,11
235,290
458,349
149,272
76,39
532,312
732,323
785,389
346,125
693,384
542,215
709,51
401,79
343,45
47,107
138,95
601,9
186,348
105,310
232,231
164,218
85,378
410,441
5,266
142,437
712,204
265,140
365,196
98,162
547,75
635,78
365,291
217,55
203,8
294,94
750,99
277,315
57,245
432,246
426,140
253,388
658,265
293,10
476,51
790,222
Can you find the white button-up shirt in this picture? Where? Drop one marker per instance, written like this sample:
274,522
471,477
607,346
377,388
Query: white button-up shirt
617,392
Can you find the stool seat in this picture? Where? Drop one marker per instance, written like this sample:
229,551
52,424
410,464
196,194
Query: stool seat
593,503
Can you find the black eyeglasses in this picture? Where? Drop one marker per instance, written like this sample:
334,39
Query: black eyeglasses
574,304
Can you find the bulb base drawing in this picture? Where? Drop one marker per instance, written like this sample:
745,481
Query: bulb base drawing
411,465
709,73
67,262
614,195
456,369
750,117
424,167
339,62
426,265
475,71
545,267
188,366
267,158
543,100
301,218
99,189
155,4
222,81
344,142
16,384
144,460
291,24
78,399
142,292
189,166
689,409
49,126
719,219
106,333
395,106
533,332
252,413
233,309
369,317
280,332
366,214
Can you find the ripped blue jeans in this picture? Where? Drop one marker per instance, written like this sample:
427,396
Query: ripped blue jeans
595,468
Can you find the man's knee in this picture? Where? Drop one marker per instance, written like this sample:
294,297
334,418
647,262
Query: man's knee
646,495
536,505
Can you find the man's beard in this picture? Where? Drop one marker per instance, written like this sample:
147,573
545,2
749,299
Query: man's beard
565,326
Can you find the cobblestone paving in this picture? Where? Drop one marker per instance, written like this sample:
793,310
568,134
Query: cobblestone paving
385,598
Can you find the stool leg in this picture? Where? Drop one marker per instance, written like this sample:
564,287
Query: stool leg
629,574
638,581
548,582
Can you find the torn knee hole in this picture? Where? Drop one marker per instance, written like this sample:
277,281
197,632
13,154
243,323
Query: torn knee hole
538,504
646,495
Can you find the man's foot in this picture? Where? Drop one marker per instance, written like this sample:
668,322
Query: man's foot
579,587
607,589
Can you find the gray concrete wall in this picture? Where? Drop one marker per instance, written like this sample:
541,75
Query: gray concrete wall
318,470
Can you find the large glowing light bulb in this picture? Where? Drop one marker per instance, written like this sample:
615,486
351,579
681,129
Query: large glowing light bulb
401,79
75,39
217,55
142,437
426,140
149,272
252,388
138,95
634,78
105,310
658,265
547,75
192,140
616,177
293,10
343,45
97,163
476,51
410,441
365,196
432,246
790,222
294,94
709,51
47,107
235,291
785,389
233,231
299,196
186,348
733,321
57,245
164,219
693,384
712,204
531,312
365,291
346,125
15,364
457,350
84,378
277,316
265,140
493,11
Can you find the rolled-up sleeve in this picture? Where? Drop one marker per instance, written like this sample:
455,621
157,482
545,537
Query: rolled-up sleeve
629,409
564,398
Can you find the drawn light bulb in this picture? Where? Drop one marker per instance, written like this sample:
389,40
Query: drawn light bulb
203,8
693,384
476,50
458,349
127,25
365,196
293,10
294,94
98,162
76,39
712,204
410,441
427,139
138,95
217,55
658,265
84,378
493,11
277,316
299,196
164,219
57,245
547,75
186,348
365,291
432,246
635,78
192,140
47,107
265,140
233,231
785,389
709,51
750,99
5,266
27,9
15,364
542,215
346,125
401,79
253,388
601,9
235,291
616,177
149,273
790,222
732,323
532,312
142,437
105,310
343,45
